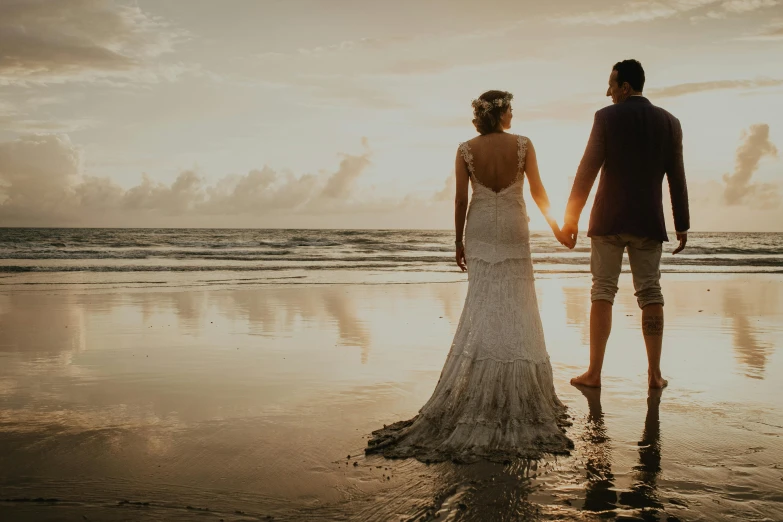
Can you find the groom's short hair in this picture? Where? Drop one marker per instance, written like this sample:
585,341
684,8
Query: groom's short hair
630,71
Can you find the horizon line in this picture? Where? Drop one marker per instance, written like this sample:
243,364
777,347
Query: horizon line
336,229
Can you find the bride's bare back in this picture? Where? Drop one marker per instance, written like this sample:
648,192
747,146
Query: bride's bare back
495,160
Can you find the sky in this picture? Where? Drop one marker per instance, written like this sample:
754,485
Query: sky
348,114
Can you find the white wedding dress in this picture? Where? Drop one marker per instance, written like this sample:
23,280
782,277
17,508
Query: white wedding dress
495,398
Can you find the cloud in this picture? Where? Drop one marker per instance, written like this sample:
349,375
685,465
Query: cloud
569,109
340,90
640,11
647,11
682,89
448,191
770,32
736,7
183,196
346,45
15,117
351,167
61,40
16,122
35,173
581,107
42,184
265,191
739,189
745,6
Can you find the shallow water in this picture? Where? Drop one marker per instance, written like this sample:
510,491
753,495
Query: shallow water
238,401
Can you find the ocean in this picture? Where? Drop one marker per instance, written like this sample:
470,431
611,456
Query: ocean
309,255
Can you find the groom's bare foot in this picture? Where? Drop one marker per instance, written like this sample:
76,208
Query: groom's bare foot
657,382
587,379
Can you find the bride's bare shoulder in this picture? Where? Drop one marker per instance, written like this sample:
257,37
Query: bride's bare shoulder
473,140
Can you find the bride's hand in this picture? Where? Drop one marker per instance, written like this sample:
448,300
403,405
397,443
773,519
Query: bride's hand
461,263
562,238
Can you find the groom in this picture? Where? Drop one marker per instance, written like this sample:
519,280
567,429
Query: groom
634,144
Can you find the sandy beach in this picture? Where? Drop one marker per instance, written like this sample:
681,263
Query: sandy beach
250,402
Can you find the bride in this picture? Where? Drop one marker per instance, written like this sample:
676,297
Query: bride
495,398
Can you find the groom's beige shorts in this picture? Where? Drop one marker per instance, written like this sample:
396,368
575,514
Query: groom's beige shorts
606,261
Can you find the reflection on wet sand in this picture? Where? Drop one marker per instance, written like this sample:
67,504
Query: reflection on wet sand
488,491
577,300
188,307
643,493
746,306
452,298
750,351
351,331
111,363
274,311
258,394
600,489
33,330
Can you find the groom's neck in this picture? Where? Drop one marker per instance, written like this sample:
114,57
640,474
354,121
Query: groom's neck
630,95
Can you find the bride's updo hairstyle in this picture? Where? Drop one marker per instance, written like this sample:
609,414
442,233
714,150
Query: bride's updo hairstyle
488,109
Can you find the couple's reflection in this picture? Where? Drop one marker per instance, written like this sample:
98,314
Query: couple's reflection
600,492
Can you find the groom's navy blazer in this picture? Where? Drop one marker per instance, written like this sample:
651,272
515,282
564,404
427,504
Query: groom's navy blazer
634,144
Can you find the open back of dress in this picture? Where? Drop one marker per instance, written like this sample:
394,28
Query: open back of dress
495,398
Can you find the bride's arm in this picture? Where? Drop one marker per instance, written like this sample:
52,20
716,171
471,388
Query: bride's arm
537,189
460,207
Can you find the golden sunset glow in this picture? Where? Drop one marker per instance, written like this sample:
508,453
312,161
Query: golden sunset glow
314,115
256,263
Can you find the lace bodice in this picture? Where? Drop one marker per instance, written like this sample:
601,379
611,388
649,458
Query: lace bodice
467,155
497,222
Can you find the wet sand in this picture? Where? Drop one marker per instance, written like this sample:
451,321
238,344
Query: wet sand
243,402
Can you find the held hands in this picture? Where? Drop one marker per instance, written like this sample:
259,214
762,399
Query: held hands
555,229
561,237
558,234
566,236
569,233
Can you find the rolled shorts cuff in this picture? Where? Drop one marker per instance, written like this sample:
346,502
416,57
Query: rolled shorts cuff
653,299
602,295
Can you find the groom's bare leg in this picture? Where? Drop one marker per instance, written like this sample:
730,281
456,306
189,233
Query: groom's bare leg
644,255
606,261
652,328
600,328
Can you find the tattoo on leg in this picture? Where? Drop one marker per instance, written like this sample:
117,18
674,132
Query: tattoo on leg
653,326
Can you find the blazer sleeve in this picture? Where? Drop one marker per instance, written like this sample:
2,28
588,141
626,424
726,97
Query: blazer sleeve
678,188
592,161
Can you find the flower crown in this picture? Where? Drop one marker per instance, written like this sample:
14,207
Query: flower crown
483,106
